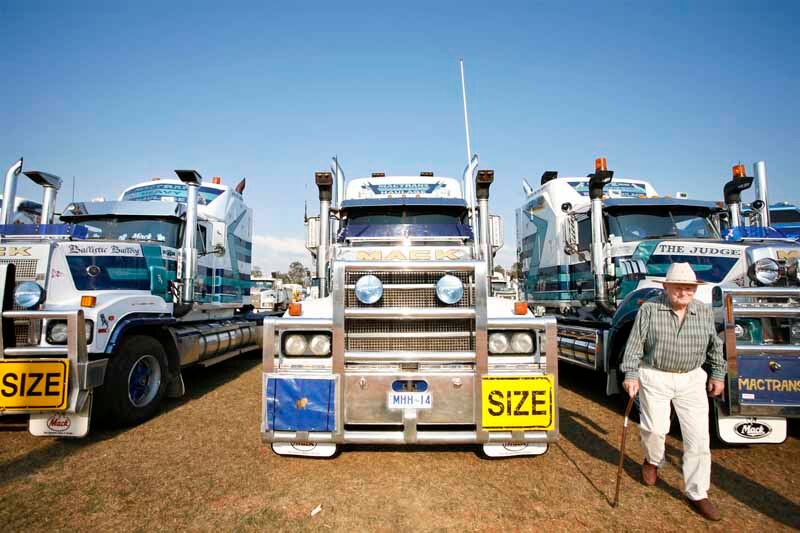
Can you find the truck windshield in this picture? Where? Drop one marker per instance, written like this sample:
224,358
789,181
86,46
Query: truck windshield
656,222
783,216
398,220
711,269
263,284
133,229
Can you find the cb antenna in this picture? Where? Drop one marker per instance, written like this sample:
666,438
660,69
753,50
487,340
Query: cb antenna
472,167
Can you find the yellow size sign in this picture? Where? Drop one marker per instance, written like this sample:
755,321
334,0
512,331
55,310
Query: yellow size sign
33,384
512,403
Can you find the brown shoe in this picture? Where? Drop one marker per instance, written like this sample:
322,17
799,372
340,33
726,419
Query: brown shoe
649,473
706,509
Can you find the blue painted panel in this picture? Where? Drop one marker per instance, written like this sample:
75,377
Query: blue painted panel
769,380
300,404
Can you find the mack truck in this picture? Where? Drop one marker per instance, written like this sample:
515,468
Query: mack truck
591,250
104,306
406,344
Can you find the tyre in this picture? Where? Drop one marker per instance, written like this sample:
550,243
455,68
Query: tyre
136,381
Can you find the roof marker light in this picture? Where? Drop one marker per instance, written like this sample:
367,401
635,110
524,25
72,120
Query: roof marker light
216,180
739,171
600,164
378,174
426,174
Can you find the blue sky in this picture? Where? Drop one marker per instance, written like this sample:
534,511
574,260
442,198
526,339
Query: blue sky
674,93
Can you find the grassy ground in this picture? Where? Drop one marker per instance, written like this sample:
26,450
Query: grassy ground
200,465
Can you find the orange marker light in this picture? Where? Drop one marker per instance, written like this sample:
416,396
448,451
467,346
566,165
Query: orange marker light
88,301
600,164
738,171
295,309
520,308
216,180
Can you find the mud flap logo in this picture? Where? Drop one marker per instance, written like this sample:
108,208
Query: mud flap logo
752,430
59,423
304,446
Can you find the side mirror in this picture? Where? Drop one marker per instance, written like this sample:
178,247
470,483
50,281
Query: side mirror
312,234
496,232
571,234
159,283
218,250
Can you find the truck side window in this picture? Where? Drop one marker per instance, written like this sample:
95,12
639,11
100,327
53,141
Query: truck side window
200,241
584,234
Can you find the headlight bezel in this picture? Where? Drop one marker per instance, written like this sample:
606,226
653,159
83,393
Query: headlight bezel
763,265
368,289
36,291
508,335
308,337
51,324
447,285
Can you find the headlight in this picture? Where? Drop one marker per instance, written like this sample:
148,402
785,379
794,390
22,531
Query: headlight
449,289
766,271
739,330
498,343
57,332
521,343
369,289
295,345
320,345
28,294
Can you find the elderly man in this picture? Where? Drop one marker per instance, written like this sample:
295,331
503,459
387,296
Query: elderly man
672,337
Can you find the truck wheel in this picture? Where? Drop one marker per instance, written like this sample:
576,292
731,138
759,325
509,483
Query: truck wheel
136,381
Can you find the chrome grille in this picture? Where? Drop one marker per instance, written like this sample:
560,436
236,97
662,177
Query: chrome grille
415,335
415,344
409,289
393,327
22,330
26,268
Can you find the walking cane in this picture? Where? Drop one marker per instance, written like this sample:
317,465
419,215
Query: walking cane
622,450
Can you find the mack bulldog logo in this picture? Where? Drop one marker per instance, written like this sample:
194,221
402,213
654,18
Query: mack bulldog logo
58,422
15,250
752,430
113,249
411,255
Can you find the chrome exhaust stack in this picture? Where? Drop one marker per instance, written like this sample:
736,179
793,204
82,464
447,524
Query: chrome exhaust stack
10,191
188,256
483,181
50,185
324,181
760,173
601,177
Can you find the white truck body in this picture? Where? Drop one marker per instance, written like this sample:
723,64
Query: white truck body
126,301
406,366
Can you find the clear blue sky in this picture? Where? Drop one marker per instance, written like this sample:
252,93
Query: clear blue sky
671,92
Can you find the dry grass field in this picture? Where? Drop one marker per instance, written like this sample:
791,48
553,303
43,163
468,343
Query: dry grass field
200,465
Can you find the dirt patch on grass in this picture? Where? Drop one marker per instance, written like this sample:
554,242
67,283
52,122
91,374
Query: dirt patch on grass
200,465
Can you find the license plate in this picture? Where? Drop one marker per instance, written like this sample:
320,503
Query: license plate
512,403
30,384
414,400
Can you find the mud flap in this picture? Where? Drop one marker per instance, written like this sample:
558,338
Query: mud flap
749,430
60,424
509,449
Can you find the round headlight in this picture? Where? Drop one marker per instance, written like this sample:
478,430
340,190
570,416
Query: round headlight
739,331
296,345
521,342
320,345
369,289
498,343
766,271
449,289
57,333
28,294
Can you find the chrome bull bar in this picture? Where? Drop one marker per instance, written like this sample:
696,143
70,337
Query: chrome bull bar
763,377
84,375
341,359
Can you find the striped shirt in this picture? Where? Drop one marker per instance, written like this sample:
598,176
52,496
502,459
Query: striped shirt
659,341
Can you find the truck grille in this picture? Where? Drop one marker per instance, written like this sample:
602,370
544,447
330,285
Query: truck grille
25,271
26,268
411,344
22,330
409,289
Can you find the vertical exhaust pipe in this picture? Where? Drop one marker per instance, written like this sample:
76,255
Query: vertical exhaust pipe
597,181
324,182
733,194
188,257
50,186
760,173
482,183
10,191
472,211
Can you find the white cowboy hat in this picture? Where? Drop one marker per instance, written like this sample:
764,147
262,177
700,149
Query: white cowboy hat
681,274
